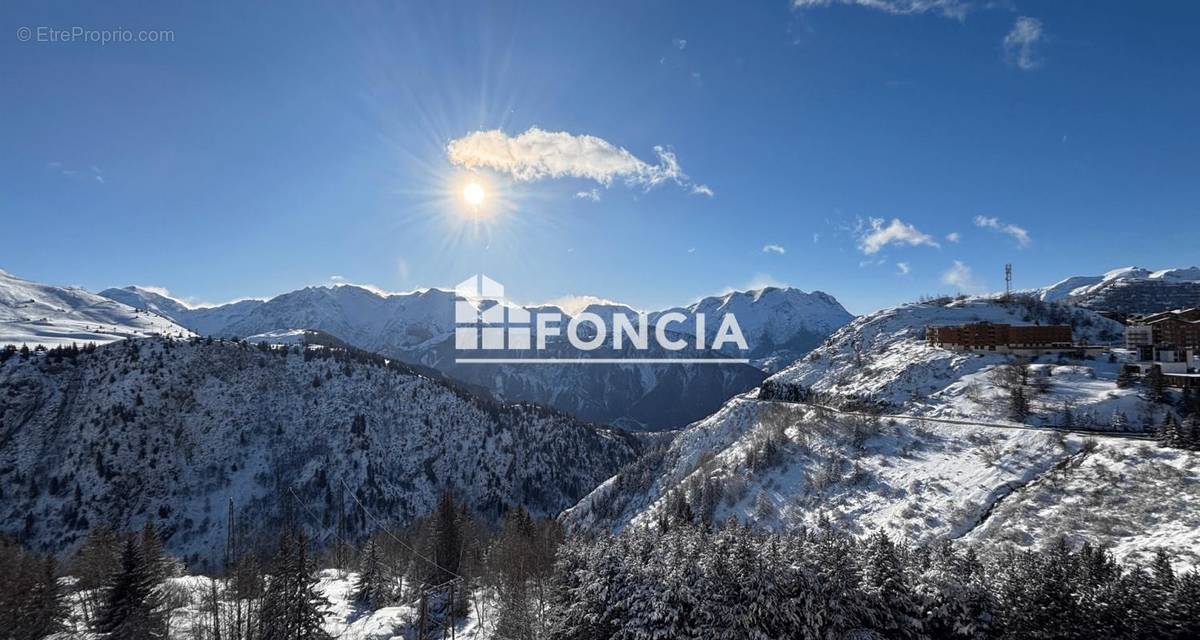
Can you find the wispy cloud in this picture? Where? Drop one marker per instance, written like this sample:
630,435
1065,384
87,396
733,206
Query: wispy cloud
953,236
994,224
702,190
960,276
774,248
878,235
591,194
1021,43
538,154
903,268
92,173
956,9
679,43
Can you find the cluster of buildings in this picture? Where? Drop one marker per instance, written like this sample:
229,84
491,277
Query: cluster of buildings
1168,342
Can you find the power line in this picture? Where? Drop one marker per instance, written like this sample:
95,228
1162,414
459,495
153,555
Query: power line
391,535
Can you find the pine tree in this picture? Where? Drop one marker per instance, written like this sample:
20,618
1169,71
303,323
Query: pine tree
1120,421
896,613
152,553
374,586
132,603
1018,405
1168,433
1156,385
1126,378
45,610
292,608
31,603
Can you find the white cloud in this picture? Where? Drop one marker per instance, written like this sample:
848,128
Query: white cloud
591,194
702,190
879,236
816,237
994,224
538,154
774,248
960,276
92,171
904,268
679,43
953,236
956,9
692,250
1021,42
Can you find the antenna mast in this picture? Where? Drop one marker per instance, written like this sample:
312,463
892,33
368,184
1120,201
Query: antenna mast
1007,280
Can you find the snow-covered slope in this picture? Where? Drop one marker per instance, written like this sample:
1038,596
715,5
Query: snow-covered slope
39,314
883,359
777,465
944,473
1130,290
779,325
170,431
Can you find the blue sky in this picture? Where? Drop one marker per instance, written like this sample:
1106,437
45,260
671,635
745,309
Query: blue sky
274,146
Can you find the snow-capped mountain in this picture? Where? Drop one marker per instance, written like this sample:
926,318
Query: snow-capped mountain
170,431
418,327
203,321
780,323
1129,290
32,313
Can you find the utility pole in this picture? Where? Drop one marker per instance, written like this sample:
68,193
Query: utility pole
451,610
421,626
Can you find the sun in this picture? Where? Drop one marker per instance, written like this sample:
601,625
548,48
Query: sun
474,194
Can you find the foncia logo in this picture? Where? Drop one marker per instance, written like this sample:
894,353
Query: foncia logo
490,329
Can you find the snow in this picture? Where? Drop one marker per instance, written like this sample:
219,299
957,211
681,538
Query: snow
923,481
37,314
170,432
282,336
189,616
1097,290
947,472
418,328
883,358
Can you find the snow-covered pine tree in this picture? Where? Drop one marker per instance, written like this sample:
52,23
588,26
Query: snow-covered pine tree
895,614
1119,421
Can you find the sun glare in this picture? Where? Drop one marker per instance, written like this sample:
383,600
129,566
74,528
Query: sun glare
473,193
